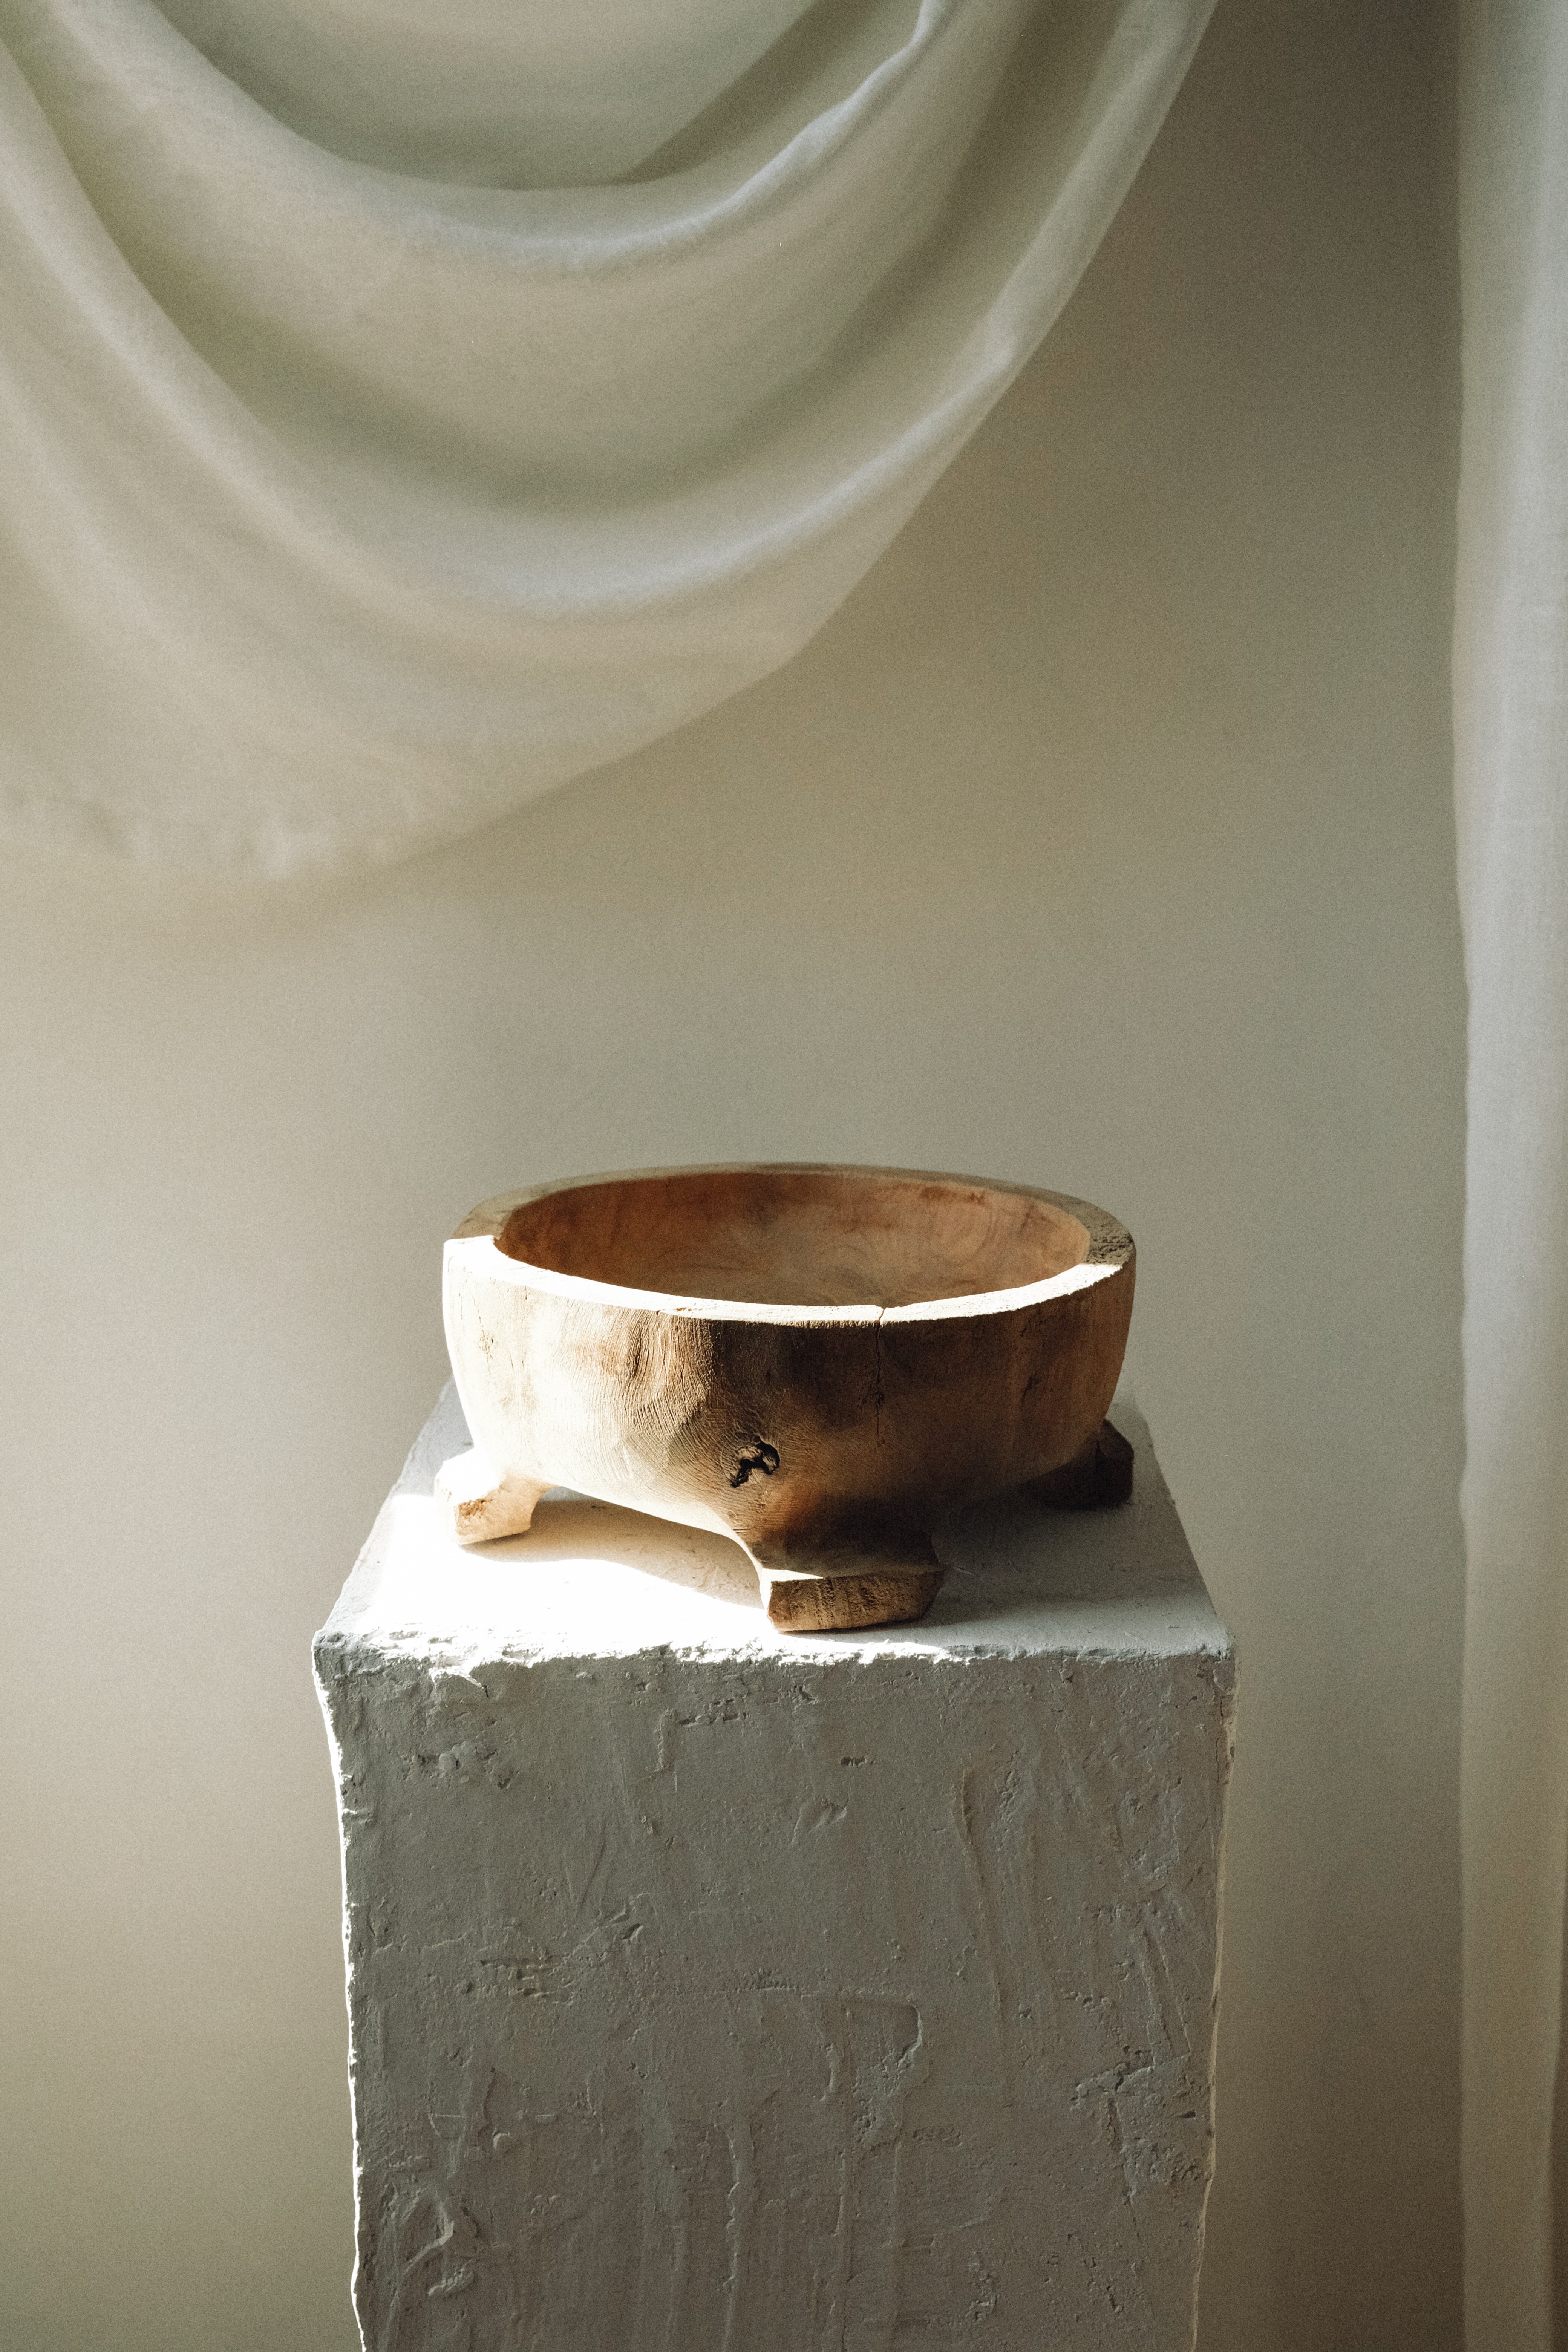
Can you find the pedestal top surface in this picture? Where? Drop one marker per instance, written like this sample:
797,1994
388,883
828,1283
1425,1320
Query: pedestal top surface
592,1580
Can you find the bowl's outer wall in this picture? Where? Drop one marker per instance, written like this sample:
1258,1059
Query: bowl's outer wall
802,1439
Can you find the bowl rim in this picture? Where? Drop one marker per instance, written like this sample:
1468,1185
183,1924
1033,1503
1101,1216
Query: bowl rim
474,1247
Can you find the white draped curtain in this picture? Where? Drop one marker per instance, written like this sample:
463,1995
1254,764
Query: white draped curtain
1511,729
408,407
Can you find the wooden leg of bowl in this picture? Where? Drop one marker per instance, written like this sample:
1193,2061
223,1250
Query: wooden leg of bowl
842,1604
1095,1480
479,1504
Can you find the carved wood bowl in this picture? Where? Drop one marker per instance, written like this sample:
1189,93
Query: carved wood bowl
820,1361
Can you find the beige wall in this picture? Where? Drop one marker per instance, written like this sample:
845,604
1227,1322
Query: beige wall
1104,841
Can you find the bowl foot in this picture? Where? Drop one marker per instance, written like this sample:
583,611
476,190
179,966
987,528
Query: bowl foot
842,1604
1095,1479
479,1504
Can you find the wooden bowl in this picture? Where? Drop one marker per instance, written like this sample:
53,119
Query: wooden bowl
819,1361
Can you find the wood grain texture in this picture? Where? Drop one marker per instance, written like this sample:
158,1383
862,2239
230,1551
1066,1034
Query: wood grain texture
840,1604
821,1363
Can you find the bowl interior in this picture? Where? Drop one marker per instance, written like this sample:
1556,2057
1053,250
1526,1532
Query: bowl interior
803,1237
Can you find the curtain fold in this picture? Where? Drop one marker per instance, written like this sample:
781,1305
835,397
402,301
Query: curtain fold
409,410
1511,724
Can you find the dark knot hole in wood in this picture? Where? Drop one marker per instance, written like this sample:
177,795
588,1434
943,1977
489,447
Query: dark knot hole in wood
759,1455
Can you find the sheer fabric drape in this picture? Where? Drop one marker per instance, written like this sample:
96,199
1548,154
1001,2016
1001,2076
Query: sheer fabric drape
407,408
1510,704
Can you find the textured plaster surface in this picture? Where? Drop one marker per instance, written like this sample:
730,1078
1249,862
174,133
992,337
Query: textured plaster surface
715,1990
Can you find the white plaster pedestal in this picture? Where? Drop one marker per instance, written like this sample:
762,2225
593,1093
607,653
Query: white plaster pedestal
720,1989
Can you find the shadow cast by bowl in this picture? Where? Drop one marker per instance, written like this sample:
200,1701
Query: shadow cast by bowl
570,1527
